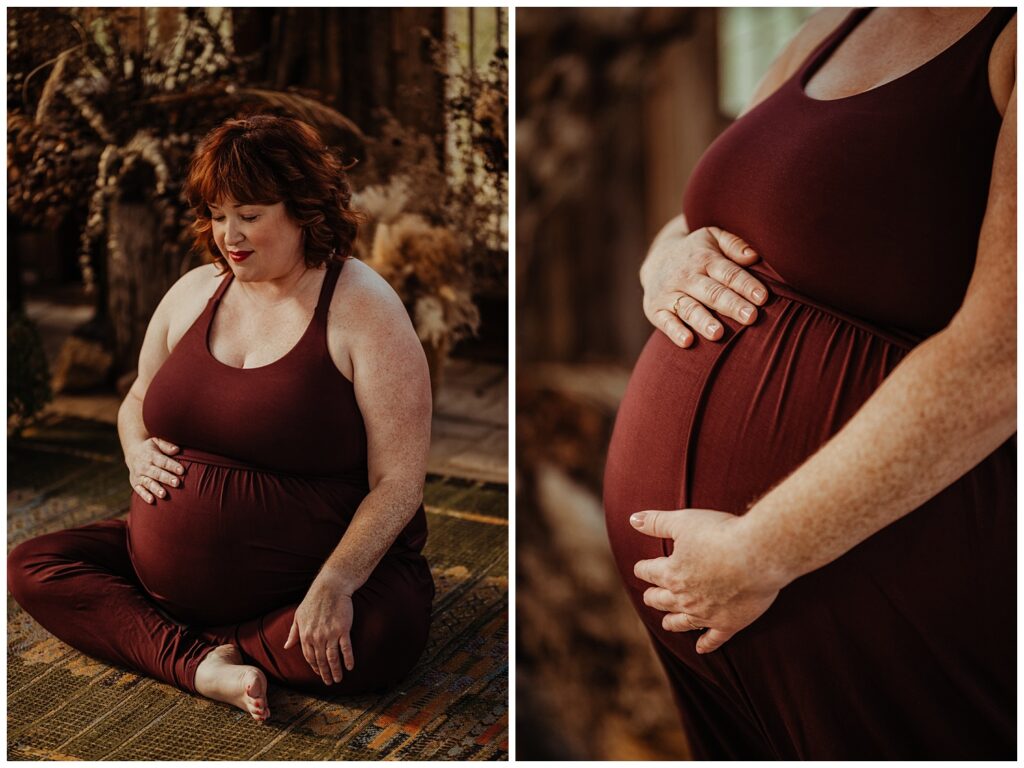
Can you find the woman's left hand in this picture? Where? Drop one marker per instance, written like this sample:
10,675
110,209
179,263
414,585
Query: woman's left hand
711,580
323,623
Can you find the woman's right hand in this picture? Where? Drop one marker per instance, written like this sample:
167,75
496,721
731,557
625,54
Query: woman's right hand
150,469
685,275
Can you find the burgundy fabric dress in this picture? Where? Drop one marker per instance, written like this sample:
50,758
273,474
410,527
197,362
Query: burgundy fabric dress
275,462
866,211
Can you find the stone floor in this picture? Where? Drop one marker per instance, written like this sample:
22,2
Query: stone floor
470,427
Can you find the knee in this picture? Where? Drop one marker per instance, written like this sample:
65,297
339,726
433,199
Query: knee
24,571
385,651
388,647
35,567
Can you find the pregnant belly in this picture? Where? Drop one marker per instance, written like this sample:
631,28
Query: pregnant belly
231,543
717,425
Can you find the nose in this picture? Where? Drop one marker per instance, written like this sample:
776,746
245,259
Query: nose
231,234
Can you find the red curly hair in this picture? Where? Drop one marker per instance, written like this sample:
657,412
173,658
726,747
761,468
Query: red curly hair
263,160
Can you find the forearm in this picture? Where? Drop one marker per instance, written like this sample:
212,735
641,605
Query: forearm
130,427
381,516
949,404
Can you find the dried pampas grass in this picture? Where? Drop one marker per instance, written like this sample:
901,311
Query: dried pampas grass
425,266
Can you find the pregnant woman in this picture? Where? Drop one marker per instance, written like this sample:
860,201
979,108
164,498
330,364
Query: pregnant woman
813,505
276,439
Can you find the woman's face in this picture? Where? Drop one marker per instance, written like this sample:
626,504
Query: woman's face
259,242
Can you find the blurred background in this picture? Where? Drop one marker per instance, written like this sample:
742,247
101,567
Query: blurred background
105,106
614,108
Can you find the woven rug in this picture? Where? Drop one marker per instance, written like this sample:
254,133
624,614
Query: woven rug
64,705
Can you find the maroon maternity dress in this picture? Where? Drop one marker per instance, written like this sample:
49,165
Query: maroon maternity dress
866,211
275,462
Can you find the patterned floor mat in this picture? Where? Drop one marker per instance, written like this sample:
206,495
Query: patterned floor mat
64,705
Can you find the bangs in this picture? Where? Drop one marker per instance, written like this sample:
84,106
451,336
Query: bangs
232,168
265,160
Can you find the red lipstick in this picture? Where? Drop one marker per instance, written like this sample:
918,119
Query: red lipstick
239,256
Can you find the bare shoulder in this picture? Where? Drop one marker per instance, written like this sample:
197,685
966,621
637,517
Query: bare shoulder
185,300
175,314
370,336
1002,65
811,34
365,302
815,29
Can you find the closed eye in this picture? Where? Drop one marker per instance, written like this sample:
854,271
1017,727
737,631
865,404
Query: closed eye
248,219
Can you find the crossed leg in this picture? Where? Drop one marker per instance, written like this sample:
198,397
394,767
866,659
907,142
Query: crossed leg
80,585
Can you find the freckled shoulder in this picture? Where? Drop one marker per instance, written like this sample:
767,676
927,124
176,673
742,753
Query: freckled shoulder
367,320
186,299
809,36
1002,65
363,301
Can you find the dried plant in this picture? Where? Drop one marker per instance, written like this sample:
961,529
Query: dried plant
114,125
28,379
437,227
111,118
592,56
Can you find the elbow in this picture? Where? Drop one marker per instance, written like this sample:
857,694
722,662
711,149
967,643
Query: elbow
983,358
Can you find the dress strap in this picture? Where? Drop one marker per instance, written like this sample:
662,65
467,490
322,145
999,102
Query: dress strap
225,281
977,44
327,290
830,43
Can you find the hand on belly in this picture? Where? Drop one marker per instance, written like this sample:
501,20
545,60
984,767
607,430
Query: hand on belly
709,581
229,544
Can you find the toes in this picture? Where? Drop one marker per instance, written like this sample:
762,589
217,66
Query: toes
256,688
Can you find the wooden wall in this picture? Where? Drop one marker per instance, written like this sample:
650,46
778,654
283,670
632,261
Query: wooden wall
650,108
361,58
615,106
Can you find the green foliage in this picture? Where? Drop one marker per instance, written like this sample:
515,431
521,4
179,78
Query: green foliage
28,377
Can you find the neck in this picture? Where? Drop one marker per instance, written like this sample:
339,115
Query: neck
277,290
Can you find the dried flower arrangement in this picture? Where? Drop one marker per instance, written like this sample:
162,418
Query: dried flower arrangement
438,249
28,380
114,124
119,112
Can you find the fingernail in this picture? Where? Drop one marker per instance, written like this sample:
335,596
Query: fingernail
174,482
637,519
759,294
712,327
746,313
748,251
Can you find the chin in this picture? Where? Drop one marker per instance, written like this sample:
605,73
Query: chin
242,272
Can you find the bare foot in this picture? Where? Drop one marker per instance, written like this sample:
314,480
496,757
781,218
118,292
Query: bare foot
222,676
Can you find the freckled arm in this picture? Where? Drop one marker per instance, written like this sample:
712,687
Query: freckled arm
392,386
949,404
